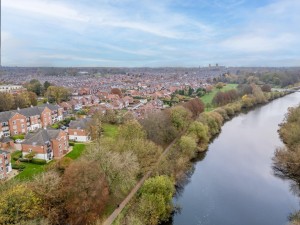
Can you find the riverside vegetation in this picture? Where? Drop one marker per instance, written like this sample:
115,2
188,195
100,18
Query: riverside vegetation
287,158
82,190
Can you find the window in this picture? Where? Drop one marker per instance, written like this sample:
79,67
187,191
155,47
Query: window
59,146
22,125
14,122
16,132
30,150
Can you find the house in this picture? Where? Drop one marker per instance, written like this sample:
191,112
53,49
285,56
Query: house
66,106
46,143
78,130
12,123
21,121
5,165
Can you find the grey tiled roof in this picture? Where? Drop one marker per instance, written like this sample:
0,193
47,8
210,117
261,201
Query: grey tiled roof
79,124
30,111
5,140
40,137
5,116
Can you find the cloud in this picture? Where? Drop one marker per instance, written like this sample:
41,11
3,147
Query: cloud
150,32
259,43
45,8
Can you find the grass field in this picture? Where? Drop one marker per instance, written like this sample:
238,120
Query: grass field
207,98
32,169
110,130
78,149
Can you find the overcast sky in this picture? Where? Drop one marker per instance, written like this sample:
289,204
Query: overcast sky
150,32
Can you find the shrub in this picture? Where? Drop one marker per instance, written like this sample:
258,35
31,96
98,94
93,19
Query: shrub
71,143
229,111
19,136
39,161
55,126
18,166
17,155
222,112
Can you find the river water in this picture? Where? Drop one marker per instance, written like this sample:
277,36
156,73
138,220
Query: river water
234,183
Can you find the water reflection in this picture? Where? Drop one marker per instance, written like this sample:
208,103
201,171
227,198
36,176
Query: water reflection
234,183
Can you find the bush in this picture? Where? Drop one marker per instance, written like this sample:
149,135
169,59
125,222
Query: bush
55,126
71,143
24,160
39,161
20,136
17,155
18,166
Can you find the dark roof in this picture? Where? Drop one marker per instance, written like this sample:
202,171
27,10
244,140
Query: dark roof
79,124
30,111
5,140
50,106
40,137
5,116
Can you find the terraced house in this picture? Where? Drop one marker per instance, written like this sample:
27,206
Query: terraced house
22,121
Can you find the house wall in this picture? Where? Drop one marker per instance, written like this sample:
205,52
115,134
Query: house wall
41,151
60,145
46,117
5,165
78,135
17,124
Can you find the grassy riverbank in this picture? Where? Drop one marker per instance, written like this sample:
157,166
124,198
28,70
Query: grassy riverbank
287,158
199,133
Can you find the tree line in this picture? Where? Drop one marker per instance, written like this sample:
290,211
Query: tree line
80,191
287,159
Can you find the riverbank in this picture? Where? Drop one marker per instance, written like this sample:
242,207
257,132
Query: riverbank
197,138
287,158
234,182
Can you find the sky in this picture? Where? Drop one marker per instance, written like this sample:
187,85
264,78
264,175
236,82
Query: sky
150,33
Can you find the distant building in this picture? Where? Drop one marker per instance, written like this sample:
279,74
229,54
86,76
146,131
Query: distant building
5,165
11,88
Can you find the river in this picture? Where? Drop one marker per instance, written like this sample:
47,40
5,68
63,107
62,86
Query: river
234,183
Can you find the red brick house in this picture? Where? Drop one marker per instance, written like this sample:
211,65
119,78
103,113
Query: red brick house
47,144
78,130
28,119
5,165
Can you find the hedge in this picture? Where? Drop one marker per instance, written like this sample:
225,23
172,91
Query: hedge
38,161
17,156
71,143
18,166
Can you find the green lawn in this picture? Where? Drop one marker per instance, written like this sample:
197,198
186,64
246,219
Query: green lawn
30,170
110,130
207,98
78,149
